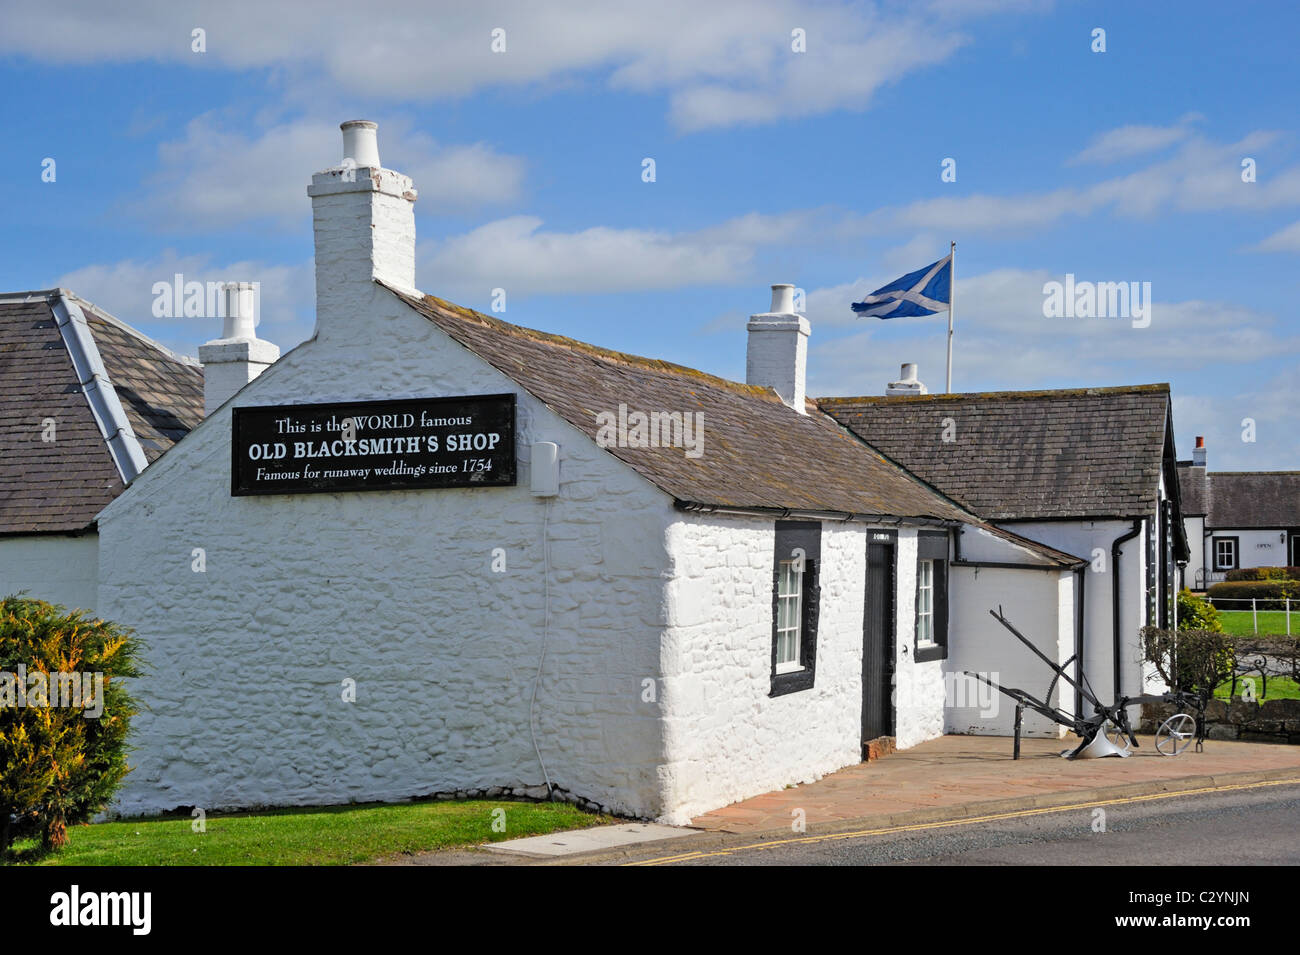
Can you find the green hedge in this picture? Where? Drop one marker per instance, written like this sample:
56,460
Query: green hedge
1270,594
1264,573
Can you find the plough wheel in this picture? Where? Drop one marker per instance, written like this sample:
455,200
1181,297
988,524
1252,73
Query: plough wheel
1175,734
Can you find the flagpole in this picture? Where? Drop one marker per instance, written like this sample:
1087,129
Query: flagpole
952,296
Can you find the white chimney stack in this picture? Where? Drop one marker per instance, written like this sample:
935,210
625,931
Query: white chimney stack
238,356
1198,452
907,383
777,353
363,217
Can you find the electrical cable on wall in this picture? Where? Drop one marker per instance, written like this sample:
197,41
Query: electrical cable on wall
546,628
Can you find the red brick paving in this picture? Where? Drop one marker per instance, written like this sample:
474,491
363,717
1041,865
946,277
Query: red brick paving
959,770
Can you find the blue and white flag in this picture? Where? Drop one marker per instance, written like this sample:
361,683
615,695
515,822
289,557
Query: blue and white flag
923,292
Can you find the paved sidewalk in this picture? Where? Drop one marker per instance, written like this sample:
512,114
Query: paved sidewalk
956,771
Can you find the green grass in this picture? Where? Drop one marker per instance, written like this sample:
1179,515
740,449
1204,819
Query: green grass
334,835
1279,688
1241,623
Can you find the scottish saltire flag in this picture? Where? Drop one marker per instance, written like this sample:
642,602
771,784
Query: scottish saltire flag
923,292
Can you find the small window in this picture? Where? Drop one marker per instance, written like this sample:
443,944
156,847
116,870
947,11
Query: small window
1225,553
931,596
925,603
795,599
789,616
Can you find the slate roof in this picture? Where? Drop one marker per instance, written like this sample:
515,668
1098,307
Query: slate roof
1248,499
1193,486
1025,455
59,486
757,452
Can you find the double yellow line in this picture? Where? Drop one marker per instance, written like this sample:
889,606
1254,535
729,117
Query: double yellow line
970,821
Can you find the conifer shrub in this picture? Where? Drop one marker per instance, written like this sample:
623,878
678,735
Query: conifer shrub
64,716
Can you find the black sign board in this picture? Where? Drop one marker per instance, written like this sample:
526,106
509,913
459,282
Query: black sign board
374,445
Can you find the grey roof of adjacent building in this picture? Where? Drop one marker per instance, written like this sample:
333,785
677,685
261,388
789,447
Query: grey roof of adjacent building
86,402
1026,455
1193,485
1253,499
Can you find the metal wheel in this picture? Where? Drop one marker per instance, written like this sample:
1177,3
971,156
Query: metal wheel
1175,734
1116,736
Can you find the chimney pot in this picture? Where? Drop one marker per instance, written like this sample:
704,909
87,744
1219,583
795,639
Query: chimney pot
361,142
782,300
241,303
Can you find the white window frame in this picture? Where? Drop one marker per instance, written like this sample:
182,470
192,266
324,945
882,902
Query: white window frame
925,603
1231,546
790,637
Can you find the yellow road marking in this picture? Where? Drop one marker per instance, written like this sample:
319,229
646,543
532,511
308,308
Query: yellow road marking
1020,813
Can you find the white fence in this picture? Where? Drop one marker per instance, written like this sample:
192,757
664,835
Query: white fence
1252,604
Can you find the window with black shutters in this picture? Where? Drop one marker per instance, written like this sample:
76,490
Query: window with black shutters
796,595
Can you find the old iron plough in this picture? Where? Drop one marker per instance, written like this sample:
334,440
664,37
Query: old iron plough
1107,731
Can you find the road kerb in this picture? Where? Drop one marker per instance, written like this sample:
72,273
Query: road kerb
989,807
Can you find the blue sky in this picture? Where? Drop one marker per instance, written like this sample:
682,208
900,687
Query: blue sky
820,168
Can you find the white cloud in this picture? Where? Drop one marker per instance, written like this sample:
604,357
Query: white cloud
1124,142
726,62
1003,341
216,177
517,255
1269,403
125,289
1284,240
1202,176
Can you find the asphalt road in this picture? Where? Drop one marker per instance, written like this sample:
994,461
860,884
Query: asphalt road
1252,826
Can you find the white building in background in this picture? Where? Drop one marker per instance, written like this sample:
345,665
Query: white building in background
1238,519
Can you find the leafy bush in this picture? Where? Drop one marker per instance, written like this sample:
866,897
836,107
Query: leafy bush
1264,573
1269,593
1197,613
1203,659
59,764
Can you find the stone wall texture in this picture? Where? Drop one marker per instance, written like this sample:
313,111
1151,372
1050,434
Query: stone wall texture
1273,721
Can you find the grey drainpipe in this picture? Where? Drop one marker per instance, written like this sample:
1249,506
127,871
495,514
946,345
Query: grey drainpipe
1079,634
1114,591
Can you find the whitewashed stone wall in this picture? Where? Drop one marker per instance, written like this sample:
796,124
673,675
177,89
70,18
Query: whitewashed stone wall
726,738
395,591
52,567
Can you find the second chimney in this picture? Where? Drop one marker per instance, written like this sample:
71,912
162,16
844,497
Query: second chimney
238,356
1198,452
777,353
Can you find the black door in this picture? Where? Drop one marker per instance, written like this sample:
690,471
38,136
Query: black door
878,639
1295,550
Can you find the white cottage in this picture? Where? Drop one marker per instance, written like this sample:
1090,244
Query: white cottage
1237,519
427,551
